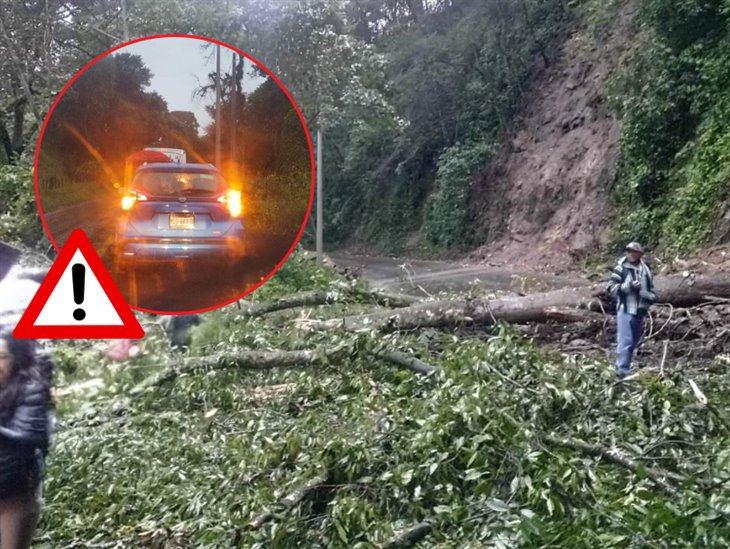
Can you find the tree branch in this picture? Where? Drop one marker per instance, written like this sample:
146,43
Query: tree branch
304,299
289,501
325,297
407,361
248,360
656,475
410,536
17,65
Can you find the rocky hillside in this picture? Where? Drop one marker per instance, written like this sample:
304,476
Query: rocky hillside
625,137
542,201
558,138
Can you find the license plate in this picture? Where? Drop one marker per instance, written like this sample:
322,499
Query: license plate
182,221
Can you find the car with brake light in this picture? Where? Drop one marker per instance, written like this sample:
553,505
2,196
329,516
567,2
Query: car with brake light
178,212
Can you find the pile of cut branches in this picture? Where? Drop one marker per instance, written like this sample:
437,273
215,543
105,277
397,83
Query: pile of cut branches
267,435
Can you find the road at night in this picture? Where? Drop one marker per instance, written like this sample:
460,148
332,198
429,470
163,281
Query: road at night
171,286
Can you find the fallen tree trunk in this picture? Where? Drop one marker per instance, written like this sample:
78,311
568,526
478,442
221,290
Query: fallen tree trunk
678,290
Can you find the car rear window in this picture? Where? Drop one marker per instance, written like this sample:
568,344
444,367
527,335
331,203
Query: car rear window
166,183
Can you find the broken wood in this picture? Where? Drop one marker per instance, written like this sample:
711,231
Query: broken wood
410,536
265,393
407,361
387,299
699,332
289,501
678,290
567,315
664,358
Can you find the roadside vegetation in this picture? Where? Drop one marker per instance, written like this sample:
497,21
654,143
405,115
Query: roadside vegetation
674,103
20,222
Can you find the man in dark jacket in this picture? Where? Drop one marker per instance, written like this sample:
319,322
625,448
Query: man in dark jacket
632,286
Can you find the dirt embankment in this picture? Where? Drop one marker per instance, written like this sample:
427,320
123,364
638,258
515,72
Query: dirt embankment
542,202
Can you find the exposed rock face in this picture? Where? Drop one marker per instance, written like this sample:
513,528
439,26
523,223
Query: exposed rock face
549,184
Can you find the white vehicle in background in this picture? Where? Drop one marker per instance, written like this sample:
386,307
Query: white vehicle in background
145,156
175,155
17,285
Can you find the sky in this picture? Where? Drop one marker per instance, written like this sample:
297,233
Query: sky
180,65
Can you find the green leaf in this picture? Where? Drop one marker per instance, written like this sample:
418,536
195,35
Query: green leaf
498,505
473,474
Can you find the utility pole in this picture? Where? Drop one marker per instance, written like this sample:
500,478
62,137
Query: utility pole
320,213
234,107
218,106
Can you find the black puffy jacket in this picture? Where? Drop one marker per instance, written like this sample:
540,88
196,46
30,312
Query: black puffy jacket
24,441
29,426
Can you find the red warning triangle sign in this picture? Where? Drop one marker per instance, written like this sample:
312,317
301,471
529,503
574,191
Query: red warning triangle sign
78,299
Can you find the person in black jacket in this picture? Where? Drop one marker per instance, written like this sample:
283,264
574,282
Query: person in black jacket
25,432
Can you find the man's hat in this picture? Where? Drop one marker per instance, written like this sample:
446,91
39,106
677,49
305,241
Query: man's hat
8,257
634,247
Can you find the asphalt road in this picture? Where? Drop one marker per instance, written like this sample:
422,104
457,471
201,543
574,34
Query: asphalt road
182,286
424,278
172,287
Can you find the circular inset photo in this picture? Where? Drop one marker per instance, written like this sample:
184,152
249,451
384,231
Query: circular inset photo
186,163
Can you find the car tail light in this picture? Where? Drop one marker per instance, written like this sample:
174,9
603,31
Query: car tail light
232,200
129,200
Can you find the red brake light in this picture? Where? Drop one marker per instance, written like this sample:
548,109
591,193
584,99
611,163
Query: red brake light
232,200
128,200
